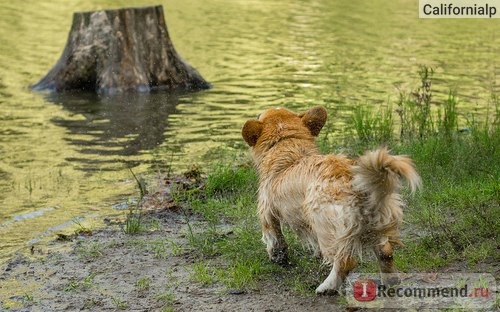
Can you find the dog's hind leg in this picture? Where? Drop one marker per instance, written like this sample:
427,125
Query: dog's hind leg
389,272
339,272
273,237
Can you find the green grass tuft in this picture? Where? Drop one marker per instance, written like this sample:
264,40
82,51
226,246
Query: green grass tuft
226,180
143,283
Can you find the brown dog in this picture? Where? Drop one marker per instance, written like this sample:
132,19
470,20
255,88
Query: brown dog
336,205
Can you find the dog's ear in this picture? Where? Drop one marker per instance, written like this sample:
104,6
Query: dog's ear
252,131
314,119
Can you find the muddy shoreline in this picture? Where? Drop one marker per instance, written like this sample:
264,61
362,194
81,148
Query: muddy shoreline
110,270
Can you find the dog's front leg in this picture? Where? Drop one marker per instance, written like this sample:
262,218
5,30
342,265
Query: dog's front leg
339,272
272,236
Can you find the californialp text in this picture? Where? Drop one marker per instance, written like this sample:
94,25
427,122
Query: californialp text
450,9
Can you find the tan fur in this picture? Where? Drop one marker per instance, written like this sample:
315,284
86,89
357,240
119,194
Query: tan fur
336,205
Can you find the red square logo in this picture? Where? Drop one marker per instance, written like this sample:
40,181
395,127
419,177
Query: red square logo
365,290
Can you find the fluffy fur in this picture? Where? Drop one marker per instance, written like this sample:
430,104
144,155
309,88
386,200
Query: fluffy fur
336,205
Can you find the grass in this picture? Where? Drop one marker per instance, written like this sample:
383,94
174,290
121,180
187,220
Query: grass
81,229
167,298
90,250
28,299
135,222
86,283
120,304
203,273
143,283
160,248
176,249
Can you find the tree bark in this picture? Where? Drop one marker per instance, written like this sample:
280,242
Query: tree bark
121,50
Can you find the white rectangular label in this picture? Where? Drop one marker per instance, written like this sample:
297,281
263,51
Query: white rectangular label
459,8
422,291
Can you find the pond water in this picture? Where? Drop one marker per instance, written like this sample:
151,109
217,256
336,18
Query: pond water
66,157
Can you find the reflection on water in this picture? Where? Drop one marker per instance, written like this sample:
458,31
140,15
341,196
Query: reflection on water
122,124
67,156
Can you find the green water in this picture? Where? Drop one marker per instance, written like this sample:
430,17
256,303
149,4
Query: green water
67,156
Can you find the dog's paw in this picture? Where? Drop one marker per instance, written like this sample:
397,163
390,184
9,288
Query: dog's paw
280,257
326,291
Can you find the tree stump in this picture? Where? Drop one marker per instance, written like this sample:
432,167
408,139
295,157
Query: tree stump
121,50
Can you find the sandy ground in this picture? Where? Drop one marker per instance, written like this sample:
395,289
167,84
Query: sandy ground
110,270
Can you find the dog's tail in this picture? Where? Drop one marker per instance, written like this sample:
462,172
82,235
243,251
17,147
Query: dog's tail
378,175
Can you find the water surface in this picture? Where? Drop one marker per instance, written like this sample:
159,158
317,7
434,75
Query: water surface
67,156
